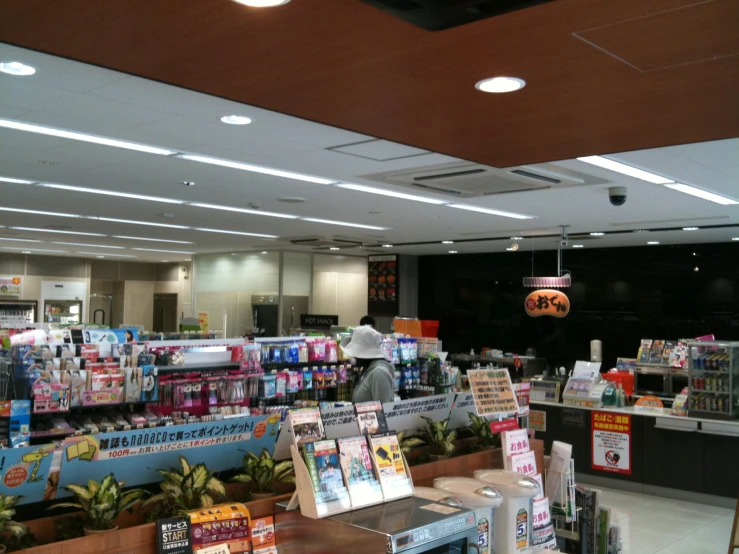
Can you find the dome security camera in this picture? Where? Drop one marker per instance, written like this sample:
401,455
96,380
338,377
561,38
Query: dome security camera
617,195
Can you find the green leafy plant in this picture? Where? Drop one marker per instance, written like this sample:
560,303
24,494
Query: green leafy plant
102,502
438,436
480,428
408,444
262,472
10,530
185,489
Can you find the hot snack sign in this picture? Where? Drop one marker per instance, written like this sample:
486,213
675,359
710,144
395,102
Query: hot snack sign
547,302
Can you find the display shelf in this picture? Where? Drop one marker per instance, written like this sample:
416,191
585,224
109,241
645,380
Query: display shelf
301,365
196,367
713,358
661,370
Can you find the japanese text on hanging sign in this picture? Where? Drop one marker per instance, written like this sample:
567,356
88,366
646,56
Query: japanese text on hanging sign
492,391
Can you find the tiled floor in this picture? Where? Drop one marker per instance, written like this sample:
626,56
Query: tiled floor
655,525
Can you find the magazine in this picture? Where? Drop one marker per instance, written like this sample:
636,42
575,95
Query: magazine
307,426
371,418
655,354
322,460
355,460
388,458
667,352
646,346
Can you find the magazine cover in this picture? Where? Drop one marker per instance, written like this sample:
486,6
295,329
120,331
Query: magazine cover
646,345
388,457
322,460
655,354
355,460
371,418
307,426
667,352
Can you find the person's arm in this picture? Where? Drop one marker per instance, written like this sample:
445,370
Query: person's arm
382,386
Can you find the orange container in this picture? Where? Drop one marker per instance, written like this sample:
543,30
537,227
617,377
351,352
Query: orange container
429,328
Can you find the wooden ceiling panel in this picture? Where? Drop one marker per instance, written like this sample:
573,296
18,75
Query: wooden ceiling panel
344,63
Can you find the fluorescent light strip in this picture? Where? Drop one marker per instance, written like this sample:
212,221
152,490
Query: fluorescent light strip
345,224
83,137
167,251
242,210
132,222
489,211
618,167
92,245
37,230
19,240
107,254
236,233
704,194
691,228
256,169
113,193
37,212
31,249
16,181
403,196
597,234
152,240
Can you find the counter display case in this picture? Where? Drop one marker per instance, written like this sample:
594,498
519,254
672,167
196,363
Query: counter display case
714,379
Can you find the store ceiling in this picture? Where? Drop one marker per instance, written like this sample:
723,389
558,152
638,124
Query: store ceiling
72,96
602,76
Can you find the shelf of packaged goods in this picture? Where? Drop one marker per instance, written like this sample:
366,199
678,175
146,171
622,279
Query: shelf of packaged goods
718,371
301,365
195,368
661,370
701,391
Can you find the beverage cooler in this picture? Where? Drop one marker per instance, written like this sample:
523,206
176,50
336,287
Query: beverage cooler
66,312
14,313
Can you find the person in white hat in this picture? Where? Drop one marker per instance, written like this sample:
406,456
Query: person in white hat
376,379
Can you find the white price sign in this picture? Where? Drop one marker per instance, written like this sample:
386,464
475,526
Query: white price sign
217,549
524,463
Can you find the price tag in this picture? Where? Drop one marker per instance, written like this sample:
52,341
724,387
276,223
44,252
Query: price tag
217,549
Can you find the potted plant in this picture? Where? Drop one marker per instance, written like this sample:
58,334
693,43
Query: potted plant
102,503
185,489
10,530
408,444
480,429
438,438
262,472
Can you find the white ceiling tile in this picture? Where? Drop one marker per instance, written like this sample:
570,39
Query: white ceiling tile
319,136
381,150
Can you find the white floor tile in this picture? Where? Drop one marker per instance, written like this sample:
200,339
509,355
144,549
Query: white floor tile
717,532
637,542
690,508
656,523
684,547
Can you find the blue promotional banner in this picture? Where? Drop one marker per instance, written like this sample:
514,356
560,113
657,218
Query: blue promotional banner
24,471
135,455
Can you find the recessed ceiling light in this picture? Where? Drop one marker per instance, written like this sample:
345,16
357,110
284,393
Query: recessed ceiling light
113,193
393,194
93,245
60,231
19,240
256,169
453,252
25,252
387,245
653,242
133,222
500,84
100,257
17,68
345,224
516,238
264,252
16,181
37,212
242,210
150,239
447,242
696,268
597,234
577,246
236,119
51,131
704,194
109,254
262,3
489,211
334,248
694,254
618,167
188,259
690,228
224,231
165,251
510,249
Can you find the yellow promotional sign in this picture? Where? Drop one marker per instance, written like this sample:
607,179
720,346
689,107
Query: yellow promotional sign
204,321
547,302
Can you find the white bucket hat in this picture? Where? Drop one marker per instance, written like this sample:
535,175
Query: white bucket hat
365,343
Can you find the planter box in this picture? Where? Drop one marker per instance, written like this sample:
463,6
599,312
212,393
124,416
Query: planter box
136,538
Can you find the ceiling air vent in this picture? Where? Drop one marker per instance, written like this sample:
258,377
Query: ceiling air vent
437,15
469,180
325,242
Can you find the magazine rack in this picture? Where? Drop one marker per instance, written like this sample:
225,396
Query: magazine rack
311,507
564,514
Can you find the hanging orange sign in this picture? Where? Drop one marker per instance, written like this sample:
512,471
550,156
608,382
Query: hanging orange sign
547,302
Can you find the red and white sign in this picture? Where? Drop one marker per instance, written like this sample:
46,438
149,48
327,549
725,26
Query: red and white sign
515,442
505,425
524,463
523,395
611,438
